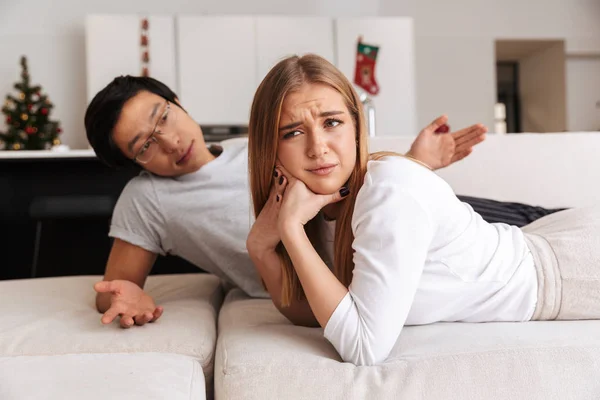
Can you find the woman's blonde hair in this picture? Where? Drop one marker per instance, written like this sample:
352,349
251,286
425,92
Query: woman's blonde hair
284,78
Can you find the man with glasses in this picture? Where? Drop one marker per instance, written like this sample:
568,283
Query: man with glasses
187,201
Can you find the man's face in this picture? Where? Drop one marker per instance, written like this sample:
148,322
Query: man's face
159,136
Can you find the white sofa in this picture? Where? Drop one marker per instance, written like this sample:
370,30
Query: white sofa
260,355
52,345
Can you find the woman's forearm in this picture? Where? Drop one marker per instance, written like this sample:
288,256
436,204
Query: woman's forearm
269,268
323,290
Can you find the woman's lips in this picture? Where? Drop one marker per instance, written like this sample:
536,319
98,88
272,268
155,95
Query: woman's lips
324,170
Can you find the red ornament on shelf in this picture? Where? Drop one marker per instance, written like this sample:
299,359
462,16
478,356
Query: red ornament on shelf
44,111
29,107
8,120
58,130
30,130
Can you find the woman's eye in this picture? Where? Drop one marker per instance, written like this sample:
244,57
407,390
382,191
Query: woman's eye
291,134
332,123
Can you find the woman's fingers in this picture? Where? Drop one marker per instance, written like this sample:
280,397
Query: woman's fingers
280,184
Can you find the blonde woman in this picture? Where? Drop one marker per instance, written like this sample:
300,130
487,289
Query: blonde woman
366,244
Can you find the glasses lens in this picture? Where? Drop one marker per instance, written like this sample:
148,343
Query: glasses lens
148,154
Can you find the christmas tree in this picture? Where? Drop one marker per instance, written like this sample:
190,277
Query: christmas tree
28,118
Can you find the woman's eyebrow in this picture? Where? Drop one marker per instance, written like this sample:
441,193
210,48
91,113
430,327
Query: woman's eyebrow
322,115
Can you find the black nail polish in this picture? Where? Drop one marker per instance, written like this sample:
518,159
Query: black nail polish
275,173
344,191
281,180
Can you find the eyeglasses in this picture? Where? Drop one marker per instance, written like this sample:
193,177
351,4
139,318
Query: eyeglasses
165,123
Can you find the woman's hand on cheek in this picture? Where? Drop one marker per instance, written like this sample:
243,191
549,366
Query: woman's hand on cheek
300,204
264,235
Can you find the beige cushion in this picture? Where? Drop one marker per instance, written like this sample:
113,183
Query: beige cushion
261,355
50,326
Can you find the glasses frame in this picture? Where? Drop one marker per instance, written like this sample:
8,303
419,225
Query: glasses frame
152,138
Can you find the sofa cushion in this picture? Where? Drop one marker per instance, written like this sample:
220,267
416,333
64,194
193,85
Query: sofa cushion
51,322
261,355
94,376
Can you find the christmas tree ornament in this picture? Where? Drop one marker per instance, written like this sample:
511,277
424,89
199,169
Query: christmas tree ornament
56,142
27,117
364,73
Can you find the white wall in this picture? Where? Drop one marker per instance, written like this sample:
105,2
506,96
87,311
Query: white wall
542,88
455,40
454,43
583,93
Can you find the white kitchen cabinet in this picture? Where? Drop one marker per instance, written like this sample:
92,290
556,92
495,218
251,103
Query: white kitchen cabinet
395,104
217,62
113,48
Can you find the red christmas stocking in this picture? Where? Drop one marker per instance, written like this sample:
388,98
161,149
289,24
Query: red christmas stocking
364,74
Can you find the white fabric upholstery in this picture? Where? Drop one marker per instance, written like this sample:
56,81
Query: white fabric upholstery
260,355
52,341
102,376
546,169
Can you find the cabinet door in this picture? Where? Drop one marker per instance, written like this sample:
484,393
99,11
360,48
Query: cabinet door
279,37
217,68
394,69
113,48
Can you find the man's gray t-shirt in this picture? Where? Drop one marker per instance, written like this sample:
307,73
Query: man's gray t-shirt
203,217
